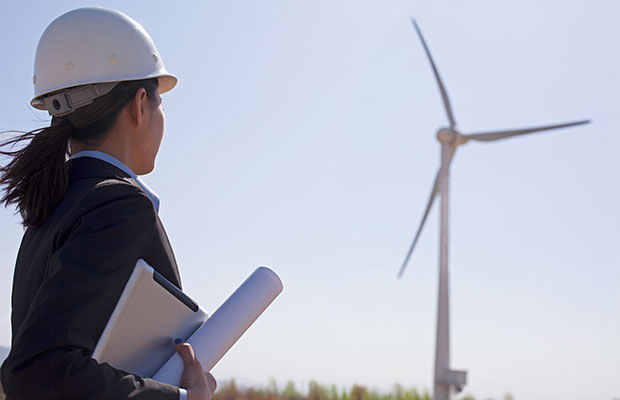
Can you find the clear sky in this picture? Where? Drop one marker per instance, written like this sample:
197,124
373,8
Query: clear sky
301,136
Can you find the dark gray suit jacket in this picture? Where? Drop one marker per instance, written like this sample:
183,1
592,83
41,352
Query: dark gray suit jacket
69,274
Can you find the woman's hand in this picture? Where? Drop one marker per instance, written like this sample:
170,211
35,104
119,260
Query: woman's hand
199,385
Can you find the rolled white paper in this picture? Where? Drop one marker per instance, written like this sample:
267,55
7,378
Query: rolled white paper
218,334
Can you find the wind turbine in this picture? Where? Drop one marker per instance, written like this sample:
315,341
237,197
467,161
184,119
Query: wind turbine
450,138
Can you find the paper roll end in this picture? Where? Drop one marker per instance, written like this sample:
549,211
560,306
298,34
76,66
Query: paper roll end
272,275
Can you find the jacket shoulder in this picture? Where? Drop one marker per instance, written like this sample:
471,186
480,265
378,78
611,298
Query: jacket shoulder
96,192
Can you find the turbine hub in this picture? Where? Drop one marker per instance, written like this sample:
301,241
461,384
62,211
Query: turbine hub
446,135
450,136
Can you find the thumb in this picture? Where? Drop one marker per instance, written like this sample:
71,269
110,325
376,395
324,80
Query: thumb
185,352
192,377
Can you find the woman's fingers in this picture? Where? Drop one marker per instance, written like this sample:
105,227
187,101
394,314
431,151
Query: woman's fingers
200,385
192,378
186,352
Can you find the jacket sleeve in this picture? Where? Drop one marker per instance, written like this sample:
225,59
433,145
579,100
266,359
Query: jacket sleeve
50,354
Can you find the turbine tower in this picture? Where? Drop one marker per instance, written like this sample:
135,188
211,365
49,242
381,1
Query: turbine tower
450,138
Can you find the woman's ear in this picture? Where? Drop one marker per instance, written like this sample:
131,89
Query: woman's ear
138,107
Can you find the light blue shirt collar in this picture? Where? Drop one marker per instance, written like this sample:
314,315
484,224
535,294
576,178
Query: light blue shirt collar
114,161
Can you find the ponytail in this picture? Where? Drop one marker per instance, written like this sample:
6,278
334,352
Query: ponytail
37,177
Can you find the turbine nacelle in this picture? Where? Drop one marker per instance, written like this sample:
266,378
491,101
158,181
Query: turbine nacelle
451,136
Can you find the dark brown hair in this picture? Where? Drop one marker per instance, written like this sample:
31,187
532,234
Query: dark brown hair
37,176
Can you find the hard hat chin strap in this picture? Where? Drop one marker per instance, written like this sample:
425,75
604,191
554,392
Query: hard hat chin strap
62,103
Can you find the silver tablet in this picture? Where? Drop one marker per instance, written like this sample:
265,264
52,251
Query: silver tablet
149,315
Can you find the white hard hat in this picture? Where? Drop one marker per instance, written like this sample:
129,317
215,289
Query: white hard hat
95,47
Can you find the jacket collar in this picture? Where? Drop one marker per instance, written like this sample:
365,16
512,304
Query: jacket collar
106,166
88,167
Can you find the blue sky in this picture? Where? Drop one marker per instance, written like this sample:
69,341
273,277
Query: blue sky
301,136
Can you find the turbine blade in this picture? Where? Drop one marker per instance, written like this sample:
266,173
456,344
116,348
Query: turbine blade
489,136
442,89
426,212
446,164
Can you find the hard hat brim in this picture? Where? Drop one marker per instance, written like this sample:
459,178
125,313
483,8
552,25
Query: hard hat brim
166,83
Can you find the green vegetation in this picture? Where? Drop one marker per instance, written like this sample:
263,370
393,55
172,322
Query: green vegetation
230,391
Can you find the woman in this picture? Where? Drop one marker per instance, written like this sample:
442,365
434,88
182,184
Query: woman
88,218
